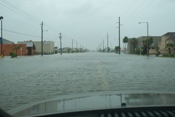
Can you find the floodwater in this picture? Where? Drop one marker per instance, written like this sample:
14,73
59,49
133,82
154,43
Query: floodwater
30,79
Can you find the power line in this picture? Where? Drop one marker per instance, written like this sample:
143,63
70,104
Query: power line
144,8
13,20
22,14
129,8
26,14
21,33
19,11
127,18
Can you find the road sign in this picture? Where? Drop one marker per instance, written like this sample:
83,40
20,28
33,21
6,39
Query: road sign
29,44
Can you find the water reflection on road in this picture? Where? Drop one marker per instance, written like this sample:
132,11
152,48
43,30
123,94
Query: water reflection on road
29,79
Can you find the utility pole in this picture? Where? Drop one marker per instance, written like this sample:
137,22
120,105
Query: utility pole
60,44
1,18
77,46
107,44
80,48
42,39
72,45
119,33
103,45
147,38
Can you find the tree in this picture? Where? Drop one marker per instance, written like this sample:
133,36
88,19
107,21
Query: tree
15,48
117,49
108,49
68,50
169,46
134,43
125,40
157,49
147,43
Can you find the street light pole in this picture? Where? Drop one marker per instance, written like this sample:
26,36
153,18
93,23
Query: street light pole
72,45
103,45
1,18
60,44
77,46
107,43
119,34
147,36
42,39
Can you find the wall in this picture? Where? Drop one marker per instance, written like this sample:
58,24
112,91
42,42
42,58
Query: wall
162,45
130,47
48,47
38,47
156,41
7,48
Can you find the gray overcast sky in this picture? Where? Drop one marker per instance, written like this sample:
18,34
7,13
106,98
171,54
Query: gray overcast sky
86,21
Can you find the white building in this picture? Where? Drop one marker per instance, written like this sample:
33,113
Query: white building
48,47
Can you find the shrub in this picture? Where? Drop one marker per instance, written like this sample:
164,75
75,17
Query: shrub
137,51
168,55
13,55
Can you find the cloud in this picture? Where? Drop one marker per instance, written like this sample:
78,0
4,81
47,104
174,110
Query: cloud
84,9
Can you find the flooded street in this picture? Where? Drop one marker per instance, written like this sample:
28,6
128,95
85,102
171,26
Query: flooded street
29,79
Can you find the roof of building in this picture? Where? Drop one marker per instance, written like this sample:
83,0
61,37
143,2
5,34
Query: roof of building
5,41
169,34
148,36
67,48
141,38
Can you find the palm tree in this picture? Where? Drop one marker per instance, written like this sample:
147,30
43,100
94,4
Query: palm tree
125,40
147,43
169,46
157,49
116,49
134,43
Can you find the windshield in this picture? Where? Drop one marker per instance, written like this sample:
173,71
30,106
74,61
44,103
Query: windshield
56,48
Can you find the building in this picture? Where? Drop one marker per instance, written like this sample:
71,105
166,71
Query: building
5,41
131,49
66,50
168,37
48,47
156,40
29,46
18,49
9,46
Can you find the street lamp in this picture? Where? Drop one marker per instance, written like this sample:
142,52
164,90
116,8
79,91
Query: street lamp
60,44
1,18
147,36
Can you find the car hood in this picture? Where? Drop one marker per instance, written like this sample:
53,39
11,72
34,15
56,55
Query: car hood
94,101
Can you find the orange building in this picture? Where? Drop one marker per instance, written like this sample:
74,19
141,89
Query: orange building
19,49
